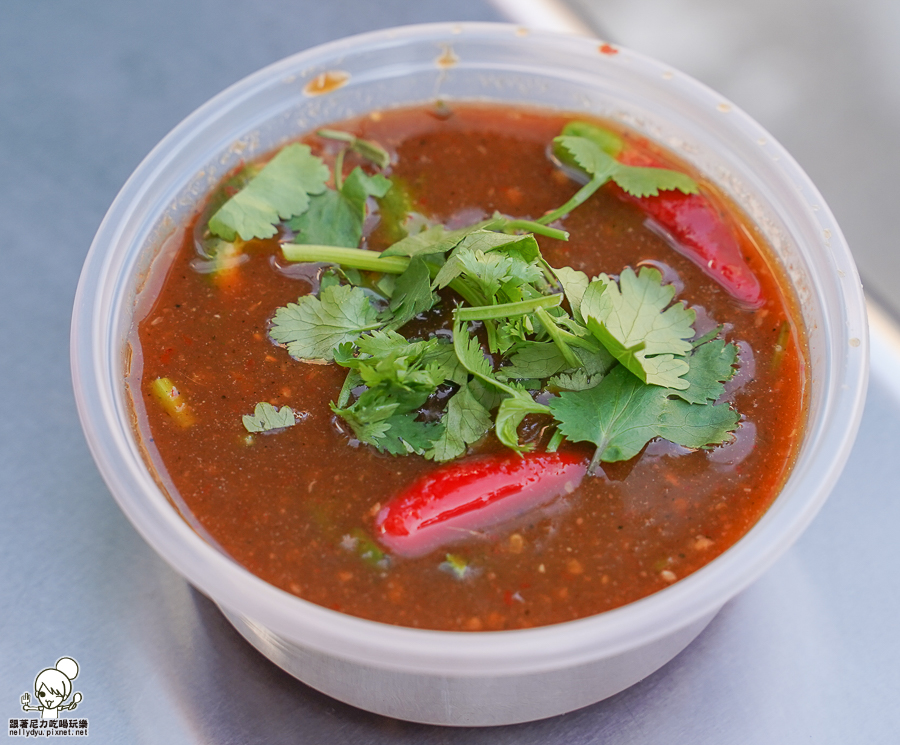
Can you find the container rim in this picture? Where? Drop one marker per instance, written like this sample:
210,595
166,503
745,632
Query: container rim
464,653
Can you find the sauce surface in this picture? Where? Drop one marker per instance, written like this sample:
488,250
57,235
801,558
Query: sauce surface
295,507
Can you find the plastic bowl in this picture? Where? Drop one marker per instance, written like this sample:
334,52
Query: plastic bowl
479,678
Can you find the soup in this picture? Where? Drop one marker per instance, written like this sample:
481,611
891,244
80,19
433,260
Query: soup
517,301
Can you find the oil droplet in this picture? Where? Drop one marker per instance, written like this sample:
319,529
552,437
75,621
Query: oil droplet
521,31
724,107
607,49
854,342
448,58
668,75
326,82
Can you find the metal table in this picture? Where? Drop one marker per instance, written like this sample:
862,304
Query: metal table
808,654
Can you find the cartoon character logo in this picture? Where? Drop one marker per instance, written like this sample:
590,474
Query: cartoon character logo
52,687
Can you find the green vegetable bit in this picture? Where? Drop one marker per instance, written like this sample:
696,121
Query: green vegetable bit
456,565
360,543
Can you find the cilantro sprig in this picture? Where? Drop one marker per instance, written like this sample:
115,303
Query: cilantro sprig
592,150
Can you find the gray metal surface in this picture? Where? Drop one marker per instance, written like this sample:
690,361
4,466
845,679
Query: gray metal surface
810,653
822,77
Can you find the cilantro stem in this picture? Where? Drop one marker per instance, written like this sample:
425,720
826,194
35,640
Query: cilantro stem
555,441
368,149
578,198
555,333
708,336
352,380
336,134
355,258
532,226
339,170
576,341
508,310
472,295
595,461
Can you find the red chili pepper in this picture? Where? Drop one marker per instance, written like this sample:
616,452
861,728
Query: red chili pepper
701,233
452,502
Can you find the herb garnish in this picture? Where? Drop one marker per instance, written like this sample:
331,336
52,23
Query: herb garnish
267,418
611,360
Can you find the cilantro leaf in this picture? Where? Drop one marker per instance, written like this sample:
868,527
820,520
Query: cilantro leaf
484,241
589,156
609,142
376,419
470,354
396,367
635,325
541,360
512,411
331,220
312,327
281,190
649,182
433,352
412,293
711,365
574,284
395,211
465,423
495,271
619,415
696,426
405,435
382,343
359,186
335,218
579,380
486,395
434,240
267,418
533,359
402,373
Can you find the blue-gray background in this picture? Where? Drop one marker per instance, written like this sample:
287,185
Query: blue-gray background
87,87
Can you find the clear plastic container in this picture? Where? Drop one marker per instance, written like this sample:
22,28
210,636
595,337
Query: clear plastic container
493,677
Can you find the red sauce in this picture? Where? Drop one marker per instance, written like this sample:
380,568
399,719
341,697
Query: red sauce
291,507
